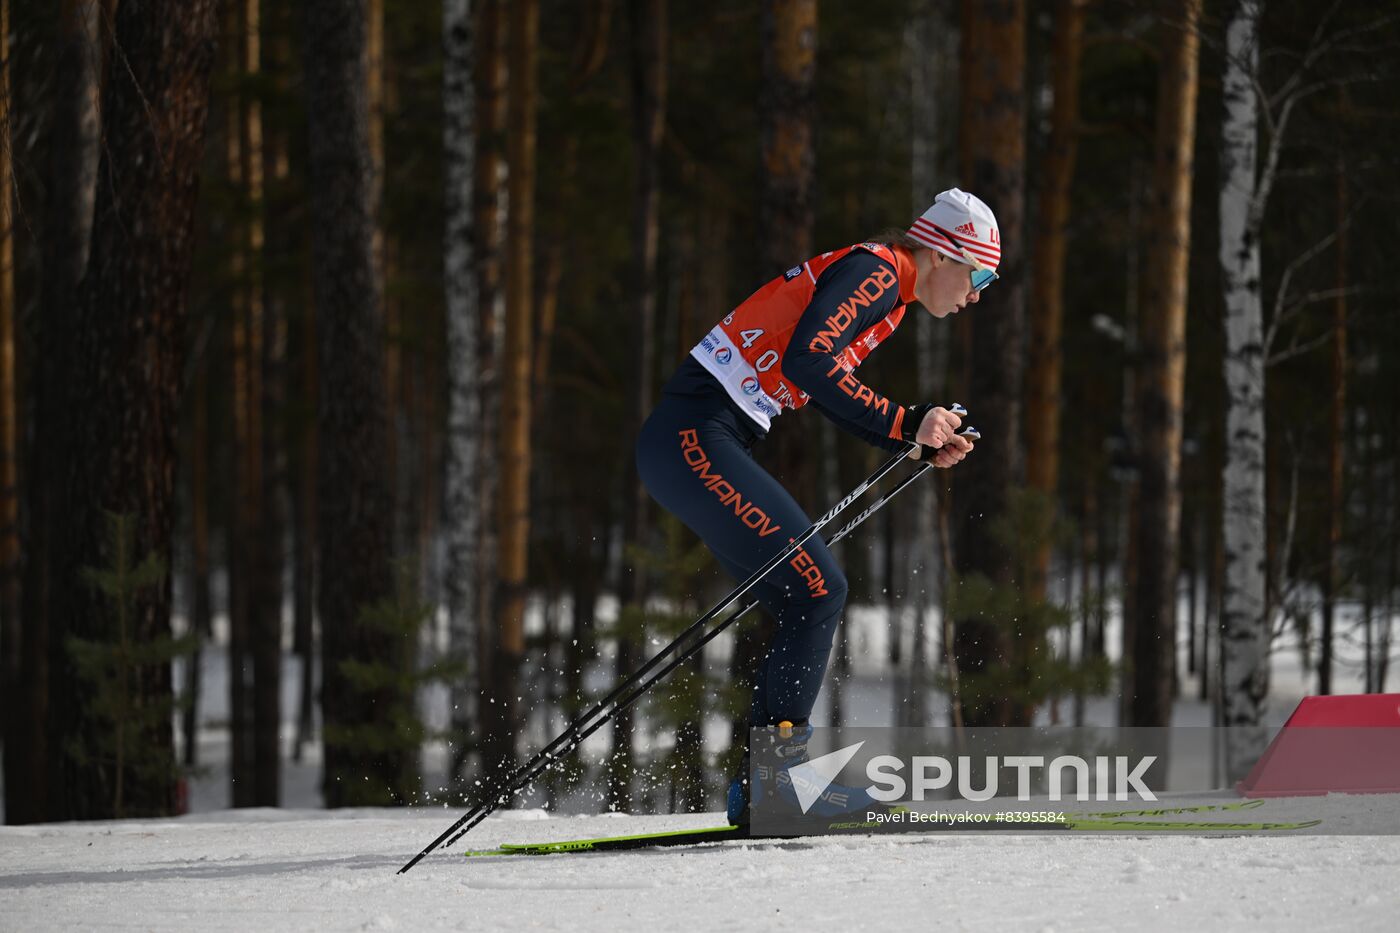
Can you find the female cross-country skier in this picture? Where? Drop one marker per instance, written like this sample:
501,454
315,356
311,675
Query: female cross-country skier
798,340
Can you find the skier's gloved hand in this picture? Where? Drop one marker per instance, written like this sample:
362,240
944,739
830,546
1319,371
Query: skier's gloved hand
935,429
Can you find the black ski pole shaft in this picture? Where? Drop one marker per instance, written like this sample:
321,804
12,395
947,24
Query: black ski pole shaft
511,783
641,688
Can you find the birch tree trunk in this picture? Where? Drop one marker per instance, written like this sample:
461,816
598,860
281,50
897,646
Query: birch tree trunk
462,502
1163,357
1244,624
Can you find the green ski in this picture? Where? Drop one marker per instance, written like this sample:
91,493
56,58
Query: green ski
1087,823
1134,826
679,837
1172,811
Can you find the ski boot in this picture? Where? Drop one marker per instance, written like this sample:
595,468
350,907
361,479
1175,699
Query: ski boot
784,749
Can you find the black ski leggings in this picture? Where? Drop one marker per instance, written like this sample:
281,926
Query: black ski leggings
694,456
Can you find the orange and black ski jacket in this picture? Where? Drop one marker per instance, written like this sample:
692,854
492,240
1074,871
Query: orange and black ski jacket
801,336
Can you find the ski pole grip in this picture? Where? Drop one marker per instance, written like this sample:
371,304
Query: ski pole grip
968,432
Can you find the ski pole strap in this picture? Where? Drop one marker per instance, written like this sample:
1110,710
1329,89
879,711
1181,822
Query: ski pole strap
914,416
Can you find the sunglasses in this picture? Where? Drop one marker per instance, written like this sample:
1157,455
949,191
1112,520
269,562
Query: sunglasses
980,275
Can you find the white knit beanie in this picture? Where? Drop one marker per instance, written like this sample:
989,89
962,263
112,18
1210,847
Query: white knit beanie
958,219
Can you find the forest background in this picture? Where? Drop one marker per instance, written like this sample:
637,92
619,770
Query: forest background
327,328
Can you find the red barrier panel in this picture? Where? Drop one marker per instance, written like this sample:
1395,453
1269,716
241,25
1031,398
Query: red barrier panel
1332,744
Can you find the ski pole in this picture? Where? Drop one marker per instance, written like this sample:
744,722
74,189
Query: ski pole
639,688
642,687
605,709
502,788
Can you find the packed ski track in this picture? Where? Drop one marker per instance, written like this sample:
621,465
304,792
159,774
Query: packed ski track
272,870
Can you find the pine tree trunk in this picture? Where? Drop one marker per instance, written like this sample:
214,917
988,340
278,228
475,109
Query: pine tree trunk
242,510
396,401
272,552
648,95
787,110
551,278
462,502
1161,388
932,356
354,501
1213,665
263,556
1385,636
1193,595
304,537
1047,288
1368,568
502,726
828,475
432,385
71,186
1392,559
490,206
931,51
1089,597
1336,466
993,167
10,703
201,610
1128,511
1244,624
882,573
298,386
787,178
125,374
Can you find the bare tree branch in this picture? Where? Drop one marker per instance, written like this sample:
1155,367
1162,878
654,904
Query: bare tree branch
1316,45
1286,280
1298,349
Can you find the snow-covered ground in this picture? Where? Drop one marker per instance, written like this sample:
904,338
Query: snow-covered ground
272,870
303,868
